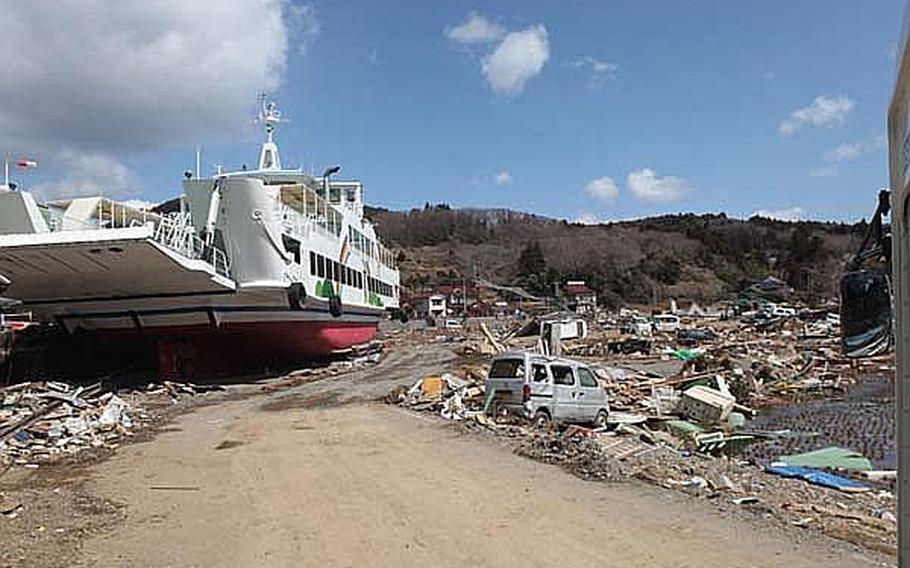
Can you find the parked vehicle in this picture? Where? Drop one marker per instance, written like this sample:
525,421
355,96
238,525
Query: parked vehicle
666,323
546,390
452,324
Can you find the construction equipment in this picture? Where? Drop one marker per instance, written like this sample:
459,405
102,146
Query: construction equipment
865,290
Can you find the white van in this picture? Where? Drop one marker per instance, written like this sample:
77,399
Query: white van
666,323
546,390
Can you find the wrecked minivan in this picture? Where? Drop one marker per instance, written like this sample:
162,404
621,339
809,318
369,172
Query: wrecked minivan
546,390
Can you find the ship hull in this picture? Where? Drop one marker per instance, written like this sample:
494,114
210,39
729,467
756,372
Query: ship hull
191,352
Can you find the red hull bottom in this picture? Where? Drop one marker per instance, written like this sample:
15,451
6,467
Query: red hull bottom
189,352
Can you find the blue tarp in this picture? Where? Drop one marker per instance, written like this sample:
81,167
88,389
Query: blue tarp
817,477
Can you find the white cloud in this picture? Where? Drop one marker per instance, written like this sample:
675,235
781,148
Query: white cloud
90,174
132,76
304,25
140,204
853,150
795,213
824,171
845,151
601,71
769,75
646,185
824,111
503,178
520,57
475,29
596,65
603,189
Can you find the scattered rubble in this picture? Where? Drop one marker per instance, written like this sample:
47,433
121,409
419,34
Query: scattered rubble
43,421
683,404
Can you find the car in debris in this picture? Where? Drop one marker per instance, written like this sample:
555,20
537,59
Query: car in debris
637,325
546,390
666,323
689,337
452,324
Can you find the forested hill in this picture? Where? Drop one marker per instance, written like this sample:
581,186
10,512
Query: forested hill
702,257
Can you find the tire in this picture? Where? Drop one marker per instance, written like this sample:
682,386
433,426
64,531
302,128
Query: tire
335,307
296,296
602,419
542,420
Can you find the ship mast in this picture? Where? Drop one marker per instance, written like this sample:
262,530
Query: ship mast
270,116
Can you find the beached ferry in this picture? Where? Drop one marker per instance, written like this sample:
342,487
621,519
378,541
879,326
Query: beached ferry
266,264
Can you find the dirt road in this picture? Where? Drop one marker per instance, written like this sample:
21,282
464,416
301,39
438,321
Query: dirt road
298,479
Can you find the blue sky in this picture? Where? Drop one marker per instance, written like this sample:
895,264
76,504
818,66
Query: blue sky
594,110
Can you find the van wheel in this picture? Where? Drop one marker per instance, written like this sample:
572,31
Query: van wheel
542,420
602,419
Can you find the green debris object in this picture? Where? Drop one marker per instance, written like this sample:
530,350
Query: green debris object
684,428
687,354
831,458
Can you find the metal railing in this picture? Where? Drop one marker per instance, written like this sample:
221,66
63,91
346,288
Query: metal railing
176,232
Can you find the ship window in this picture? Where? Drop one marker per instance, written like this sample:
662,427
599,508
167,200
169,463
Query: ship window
329,270
313,263
334,195
350,194
337,271
320,265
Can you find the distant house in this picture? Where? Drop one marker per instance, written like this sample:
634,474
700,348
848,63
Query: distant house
579,297
436,306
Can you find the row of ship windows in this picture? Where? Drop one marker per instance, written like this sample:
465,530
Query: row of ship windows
323,267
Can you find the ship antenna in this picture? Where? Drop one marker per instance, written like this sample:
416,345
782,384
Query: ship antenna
270,117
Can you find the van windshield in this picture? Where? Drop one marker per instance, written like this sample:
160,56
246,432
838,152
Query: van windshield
507,369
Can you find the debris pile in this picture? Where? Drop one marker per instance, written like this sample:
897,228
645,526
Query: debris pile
43,421
453,397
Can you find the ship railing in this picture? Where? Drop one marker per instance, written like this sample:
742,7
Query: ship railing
176,232
301,226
